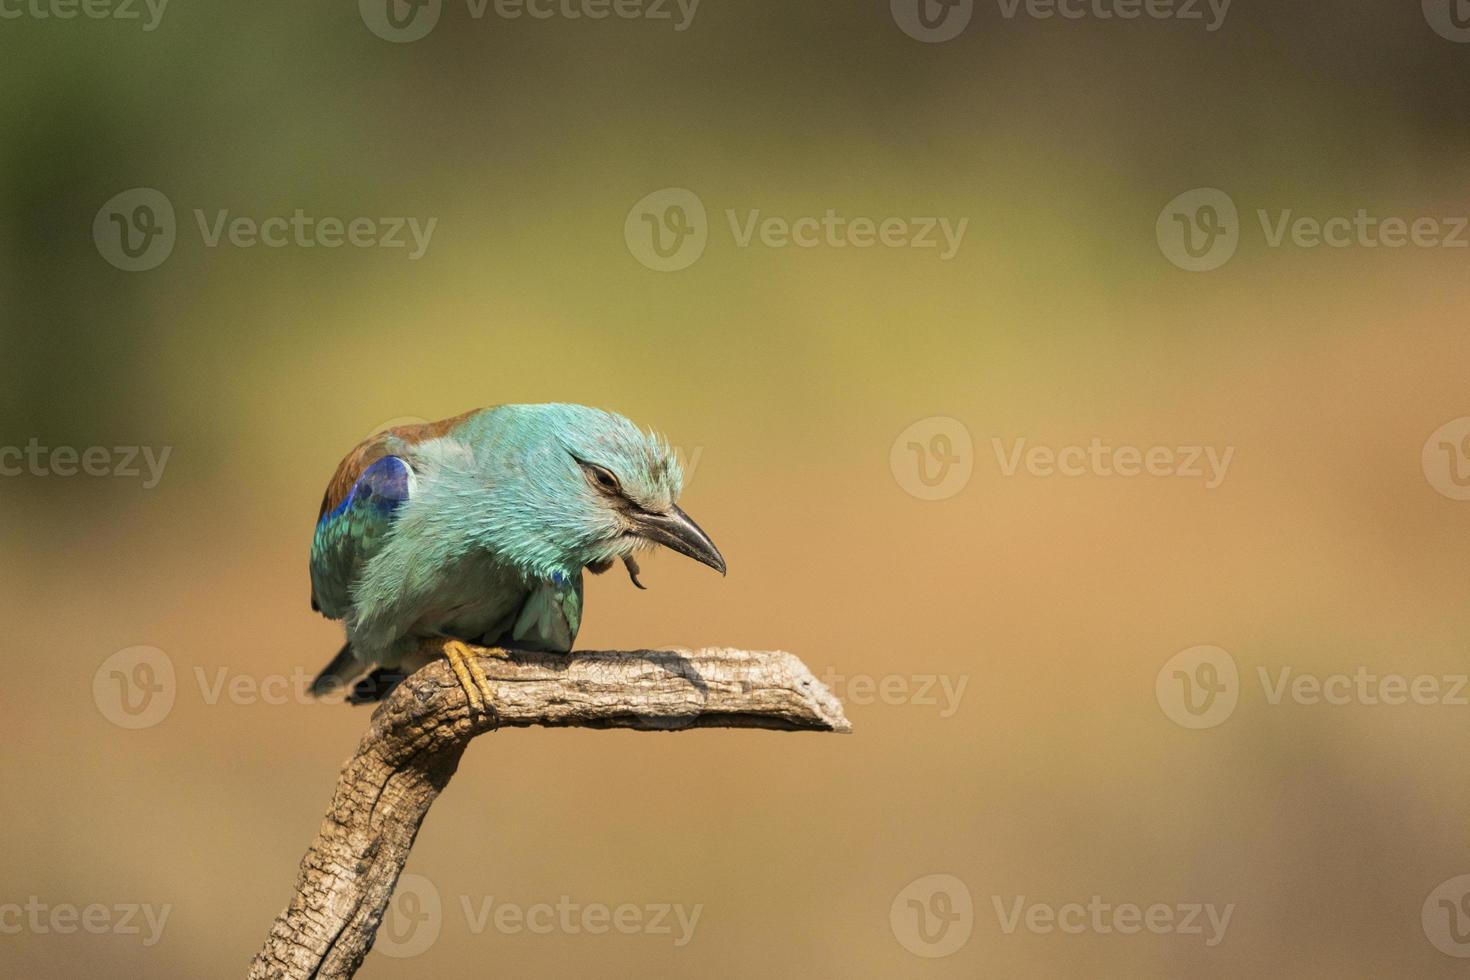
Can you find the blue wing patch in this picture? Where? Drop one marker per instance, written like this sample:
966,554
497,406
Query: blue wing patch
350,534
383,486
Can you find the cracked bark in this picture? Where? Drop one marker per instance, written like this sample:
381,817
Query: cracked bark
416,738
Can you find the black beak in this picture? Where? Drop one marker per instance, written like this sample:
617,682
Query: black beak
678,532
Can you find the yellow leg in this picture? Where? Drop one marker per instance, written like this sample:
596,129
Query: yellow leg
471,677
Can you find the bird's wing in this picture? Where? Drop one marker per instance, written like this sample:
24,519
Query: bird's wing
350,533
551,616
371,483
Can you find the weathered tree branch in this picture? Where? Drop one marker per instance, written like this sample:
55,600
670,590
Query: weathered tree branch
416,737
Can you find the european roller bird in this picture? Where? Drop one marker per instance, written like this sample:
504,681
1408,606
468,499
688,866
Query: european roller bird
476,529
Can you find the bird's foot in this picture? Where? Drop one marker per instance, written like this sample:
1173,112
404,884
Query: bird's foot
471,676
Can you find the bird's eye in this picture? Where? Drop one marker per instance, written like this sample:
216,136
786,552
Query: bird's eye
604,478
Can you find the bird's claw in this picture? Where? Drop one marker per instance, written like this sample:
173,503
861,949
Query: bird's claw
633,570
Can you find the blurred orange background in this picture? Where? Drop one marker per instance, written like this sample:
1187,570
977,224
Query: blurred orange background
794,380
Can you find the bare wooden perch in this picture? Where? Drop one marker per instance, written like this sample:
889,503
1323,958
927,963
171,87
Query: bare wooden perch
416,737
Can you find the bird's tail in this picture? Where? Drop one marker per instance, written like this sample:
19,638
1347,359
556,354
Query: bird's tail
376,686
337,675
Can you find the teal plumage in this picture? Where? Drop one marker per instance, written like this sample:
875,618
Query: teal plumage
478,528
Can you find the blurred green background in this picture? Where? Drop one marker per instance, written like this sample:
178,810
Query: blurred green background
789,376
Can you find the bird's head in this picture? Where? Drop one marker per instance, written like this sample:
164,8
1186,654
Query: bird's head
595,488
